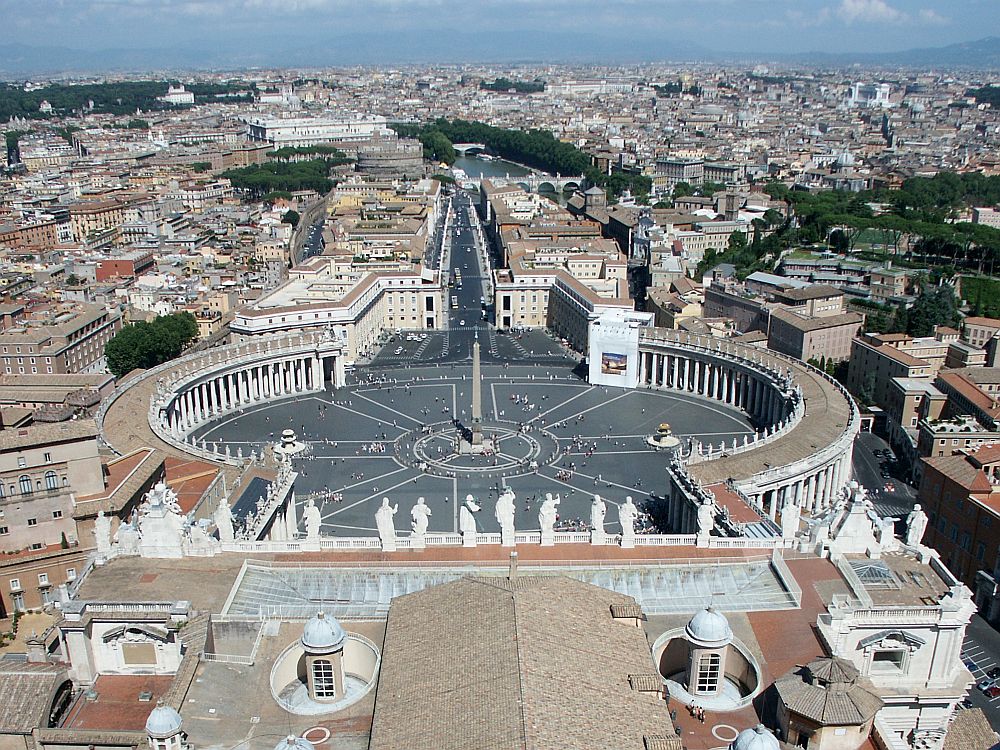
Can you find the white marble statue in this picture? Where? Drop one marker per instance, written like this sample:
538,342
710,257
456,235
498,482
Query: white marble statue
467,524
419,515
504,513
102,533
916,525
706,518
598,510
224,521
162,524
887,540
385,525
312,519
627,515
547,514
790,520
127,537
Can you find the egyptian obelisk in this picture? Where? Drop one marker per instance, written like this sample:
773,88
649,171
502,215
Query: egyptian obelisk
477,396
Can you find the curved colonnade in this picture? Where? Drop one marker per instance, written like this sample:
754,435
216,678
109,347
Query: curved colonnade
805,423
199,388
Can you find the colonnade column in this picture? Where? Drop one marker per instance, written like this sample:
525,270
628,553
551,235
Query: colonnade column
317,365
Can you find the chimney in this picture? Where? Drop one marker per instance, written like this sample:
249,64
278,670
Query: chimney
512,573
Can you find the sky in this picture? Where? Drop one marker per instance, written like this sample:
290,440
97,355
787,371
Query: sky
757,26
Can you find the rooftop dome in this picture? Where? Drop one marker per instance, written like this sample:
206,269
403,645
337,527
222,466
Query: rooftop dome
163,722
291,742
709,628
323,633
758,738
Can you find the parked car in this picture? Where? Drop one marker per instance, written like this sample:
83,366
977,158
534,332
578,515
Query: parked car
986,683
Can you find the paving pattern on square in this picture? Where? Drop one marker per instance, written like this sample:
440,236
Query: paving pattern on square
366,441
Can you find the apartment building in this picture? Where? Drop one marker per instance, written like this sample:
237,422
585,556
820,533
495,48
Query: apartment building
827,337
670,171
976,330
92,218
45,472
888,284
43,234
878,358
60,340
961,495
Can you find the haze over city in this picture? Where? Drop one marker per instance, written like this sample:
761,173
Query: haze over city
523,375
206,33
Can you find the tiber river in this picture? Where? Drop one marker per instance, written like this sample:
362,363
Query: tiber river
495,168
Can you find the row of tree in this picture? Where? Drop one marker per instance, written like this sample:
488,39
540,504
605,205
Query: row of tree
259,180
143,344
115,97
521,87
332,154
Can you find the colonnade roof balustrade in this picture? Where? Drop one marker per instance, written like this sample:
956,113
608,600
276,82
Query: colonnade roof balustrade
829,422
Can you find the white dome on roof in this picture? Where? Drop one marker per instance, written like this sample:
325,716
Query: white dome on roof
323,634
163,722
291,742
709,628
758,738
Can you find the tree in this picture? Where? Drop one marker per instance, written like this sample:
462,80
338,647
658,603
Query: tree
737,242
934,306
682,190
839,241
146,344
290,217
438,148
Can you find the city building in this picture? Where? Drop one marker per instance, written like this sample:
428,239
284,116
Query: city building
58,340
315,131
878,358
959,493
827,337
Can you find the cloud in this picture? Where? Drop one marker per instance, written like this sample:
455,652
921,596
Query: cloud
877,11
932,17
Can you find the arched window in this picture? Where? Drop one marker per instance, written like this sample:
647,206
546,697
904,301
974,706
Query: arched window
708,673
51,481
1,490
65,481
25,482
323,683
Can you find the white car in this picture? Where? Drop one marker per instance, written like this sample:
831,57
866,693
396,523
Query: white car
399,350
461,322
